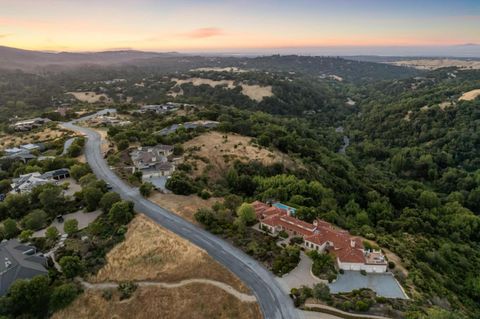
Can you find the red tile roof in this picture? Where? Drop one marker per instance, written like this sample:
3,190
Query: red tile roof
263,210
346,247
290,224
322,223
350,255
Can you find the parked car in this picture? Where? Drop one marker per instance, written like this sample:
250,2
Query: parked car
60,218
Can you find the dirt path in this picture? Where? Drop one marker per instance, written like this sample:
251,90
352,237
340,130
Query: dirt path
321,309
227,288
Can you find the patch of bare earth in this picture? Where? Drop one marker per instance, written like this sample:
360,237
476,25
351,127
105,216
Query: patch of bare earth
196,301
184,206
91,97
470,95
433,64
217,69
213,153
445,105
36,136
150,252
255,92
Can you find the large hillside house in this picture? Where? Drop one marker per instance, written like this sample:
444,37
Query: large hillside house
28,125
188,126
153,161
321,236
19,261
158,108
27,182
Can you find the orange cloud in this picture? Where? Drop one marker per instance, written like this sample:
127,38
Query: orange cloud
204,33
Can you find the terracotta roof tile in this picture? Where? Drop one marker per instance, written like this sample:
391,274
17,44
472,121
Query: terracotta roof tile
290,223
346,247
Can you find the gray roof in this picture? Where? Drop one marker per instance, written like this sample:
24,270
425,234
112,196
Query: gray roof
17,263
164,166
55,173
23,155
188,126
144,157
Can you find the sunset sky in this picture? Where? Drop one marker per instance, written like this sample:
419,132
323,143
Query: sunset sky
209,25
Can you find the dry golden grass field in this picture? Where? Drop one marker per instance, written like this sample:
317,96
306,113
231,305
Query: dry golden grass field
150,252
184,206
255,92
195,301
433,64
221,150
470,95
91,97
154,254
36,136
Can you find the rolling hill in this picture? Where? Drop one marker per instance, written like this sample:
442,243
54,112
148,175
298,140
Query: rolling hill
28,60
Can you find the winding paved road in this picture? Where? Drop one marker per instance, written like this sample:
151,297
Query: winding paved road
274,302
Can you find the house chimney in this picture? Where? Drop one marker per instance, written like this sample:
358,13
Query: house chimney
352,243
315,223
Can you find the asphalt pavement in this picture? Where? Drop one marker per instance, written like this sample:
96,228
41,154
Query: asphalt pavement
274,302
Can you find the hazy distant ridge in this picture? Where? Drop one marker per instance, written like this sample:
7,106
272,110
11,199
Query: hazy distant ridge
26,59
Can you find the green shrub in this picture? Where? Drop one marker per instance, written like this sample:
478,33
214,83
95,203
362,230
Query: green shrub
286,261
126,289
63,295
51,233
296,240
107,294
321,291
179,183
70,226
72,266
323,265
204,194
10,228
25,235
283,234
107,201
35,220
346,305
360,305
146,189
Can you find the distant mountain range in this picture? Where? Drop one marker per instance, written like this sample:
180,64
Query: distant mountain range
29,60
313,62
12,58
467,50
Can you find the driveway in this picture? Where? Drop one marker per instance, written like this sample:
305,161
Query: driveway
73,186
384,284
300,276
67,145
84,219
159,182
